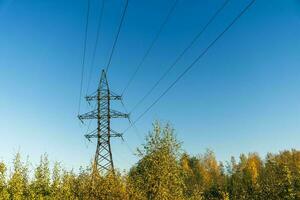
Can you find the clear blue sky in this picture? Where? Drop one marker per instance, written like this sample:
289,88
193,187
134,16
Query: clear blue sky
243,96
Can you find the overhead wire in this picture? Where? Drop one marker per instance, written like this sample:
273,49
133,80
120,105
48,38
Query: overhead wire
128,147
193,41
150,47
116,38
90,122
96,45
88,128
130,122
84,53
194,62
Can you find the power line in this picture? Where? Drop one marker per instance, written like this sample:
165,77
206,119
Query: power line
90,122
96,44
84,52
195,61
181,54
117,36
150,47
128,147
130,122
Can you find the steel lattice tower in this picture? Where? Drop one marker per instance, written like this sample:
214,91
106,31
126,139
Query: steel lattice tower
103,160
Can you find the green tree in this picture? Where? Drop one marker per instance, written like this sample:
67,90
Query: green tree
243,177
41,183
56,182
18,182
111,186
158,174
286,185
4,195
277,181
69,186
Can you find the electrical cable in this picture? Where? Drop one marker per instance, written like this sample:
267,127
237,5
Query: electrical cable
130,122
150,47
84,52
117,36
96,45
181,55
194,62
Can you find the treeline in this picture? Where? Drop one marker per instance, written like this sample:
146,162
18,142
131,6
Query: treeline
163,172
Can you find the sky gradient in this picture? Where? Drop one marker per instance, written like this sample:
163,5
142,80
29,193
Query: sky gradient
243,96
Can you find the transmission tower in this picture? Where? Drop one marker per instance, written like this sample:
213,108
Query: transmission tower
103,160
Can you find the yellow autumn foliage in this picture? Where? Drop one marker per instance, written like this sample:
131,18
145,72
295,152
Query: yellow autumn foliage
163,172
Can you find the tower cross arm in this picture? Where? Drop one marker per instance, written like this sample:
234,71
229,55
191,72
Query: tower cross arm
117,114
115,134
94,134
95,97
89,115
94,115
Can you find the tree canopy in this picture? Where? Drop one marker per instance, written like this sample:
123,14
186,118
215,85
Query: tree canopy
164,171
